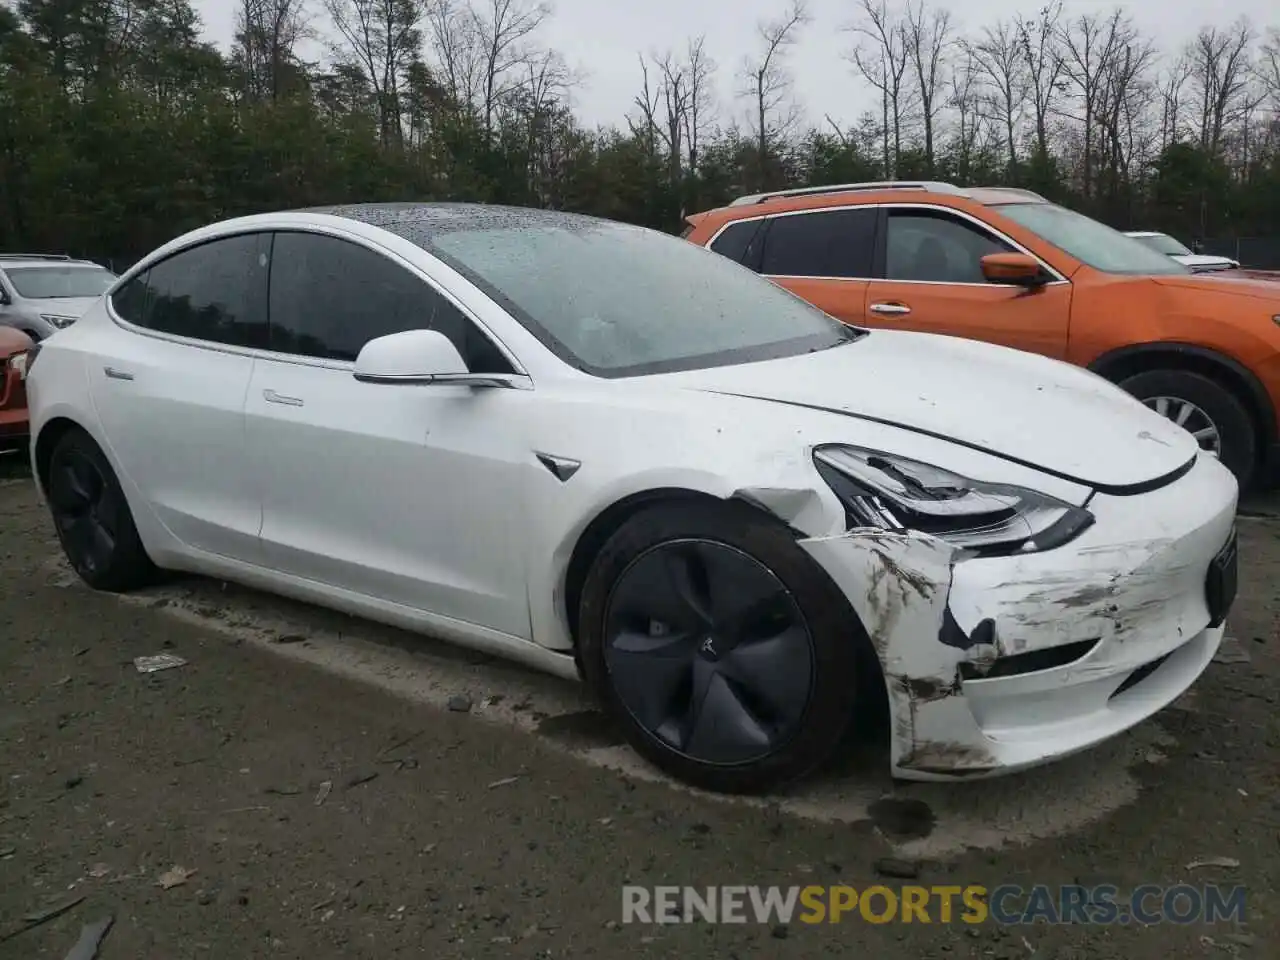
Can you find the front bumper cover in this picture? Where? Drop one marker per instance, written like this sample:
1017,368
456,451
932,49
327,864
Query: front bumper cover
999,664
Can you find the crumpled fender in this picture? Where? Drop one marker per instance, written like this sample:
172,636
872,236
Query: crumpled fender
899,584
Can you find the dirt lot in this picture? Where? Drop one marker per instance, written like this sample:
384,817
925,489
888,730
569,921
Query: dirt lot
426,846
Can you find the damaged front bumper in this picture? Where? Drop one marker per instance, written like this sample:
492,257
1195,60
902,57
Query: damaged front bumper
998,664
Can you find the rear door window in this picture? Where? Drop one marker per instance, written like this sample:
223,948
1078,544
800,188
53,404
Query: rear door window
826,243
216,292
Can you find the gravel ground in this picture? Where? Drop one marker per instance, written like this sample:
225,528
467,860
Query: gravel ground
445,835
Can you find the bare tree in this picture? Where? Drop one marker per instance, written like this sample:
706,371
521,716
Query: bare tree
769,81
928,34
504,29
676,97
998,55
383,39
1172,86
1220,72
647,101
267,34
1090,42
880,55
700,112
964,96
1038,39
1268,67
1124,106
455,45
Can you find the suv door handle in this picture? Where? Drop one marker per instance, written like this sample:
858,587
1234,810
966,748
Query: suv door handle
114,374
890,309
272,397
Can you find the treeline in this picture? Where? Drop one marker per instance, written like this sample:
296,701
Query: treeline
120,125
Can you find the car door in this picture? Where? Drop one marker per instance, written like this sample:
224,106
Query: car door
823,256
169,389
407,494
933,283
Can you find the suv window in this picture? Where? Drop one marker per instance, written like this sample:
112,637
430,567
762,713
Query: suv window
216,291
828,243
737,242
329,297
935,246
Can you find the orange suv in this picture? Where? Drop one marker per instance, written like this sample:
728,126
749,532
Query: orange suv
1008,267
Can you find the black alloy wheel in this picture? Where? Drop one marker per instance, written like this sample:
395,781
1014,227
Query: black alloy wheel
92,518
708,651
725,653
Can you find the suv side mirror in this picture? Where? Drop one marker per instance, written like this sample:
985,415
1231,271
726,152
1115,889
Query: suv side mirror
411,356
1012,269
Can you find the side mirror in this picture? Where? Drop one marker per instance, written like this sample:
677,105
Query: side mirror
412,356
1012,269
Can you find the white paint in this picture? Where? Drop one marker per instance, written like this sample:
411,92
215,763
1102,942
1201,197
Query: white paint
425,507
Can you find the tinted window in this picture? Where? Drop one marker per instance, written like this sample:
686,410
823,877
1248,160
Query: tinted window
130,301
330,297
736,242
216,292
835,243
943,249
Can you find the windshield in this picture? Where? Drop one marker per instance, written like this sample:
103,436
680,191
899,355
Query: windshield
1163,243
1088,240
46,283
616,300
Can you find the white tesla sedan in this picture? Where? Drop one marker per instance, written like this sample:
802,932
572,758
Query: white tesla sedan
612,454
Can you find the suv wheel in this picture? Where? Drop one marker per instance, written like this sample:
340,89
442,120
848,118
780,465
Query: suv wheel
1211,412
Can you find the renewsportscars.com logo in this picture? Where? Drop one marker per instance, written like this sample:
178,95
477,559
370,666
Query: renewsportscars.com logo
1007,904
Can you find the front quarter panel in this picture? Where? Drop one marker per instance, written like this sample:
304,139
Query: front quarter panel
632,440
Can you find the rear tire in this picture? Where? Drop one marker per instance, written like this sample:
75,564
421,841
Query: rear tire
92,517
1237,438
725,653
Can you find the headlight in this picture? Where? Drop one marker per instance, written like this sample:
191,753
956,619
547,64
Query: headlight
18,363
987,519
58,320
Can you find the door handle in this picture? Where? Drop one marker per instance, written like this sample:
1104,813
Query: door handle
115,374
272,397
890,309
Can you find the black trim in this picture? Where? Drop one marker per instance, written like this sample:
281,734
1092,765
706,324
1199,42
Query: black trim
1222,581
1257,392
880,252
1114,490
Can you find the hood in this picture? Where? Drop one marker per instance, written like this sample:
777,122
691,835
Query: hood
1204,261
64,306
1025,408
1233,282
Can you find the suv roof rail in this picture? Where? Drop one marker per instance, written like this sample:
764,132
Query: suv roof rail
1016,192
34,256
930,186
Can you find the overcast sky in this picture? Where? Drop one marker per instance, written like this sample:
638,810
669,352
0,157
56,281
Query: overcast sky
602,38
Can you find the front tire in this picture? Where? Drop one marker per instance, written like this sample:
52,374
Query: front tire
1219,421
725,653
92,517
